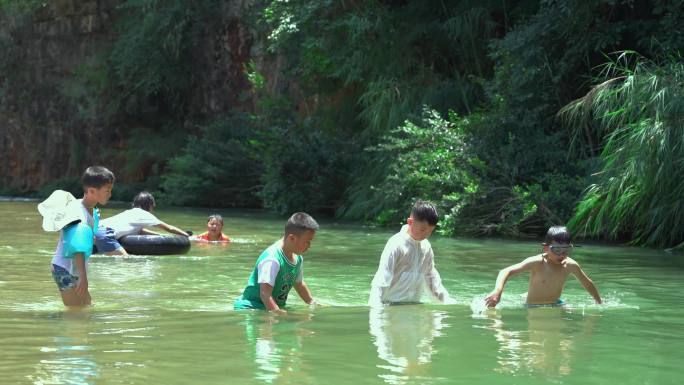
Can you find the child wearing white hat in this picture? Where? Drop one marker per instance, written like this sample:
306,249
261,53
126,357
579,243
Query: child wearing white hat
75,219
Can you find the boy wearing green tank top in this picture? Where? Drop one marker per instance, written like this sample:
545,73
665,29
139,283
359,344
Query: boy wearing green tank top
279,268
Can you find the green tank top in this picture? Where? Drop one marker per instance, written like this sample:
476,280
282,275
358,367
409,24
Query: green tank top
285,279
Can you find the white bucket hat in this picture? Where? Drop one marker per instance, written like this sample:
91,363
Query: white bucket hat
60,209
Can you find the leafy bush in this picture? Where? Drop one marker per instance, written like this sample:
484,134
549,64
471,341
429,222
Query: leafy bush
72,185
427,159
531,179
122,191
391,57
152,58
147,152
306,169
20,8
220,167
636,110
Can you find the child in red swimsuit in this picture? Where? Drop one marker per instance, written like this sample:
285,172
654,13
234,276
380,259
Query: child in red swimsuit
213,233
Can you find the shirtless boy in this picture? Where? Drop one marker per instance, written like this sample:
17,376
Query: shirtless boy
548,272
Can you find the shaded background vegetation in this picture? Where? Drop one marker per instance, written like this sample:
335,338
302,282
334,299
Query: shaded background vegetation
358,108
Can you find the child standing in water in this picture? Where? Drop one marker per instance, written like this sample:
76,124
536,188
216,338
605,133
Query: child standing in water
279,268
548,272
75,219
407,265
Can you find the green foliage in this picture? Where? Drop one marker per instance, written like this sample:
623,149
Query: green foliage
637,112
8,54
428,159
72,185
498,210
8,191
520,140
147,151
20,8
306,169
658,35
126,191
341,77
219,168
506,67
391,59
255,78
433,159
84,88
152,57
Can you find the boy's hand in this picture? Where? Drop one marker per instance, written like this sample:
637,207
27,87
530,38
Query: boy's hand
314,304
82,286
493,299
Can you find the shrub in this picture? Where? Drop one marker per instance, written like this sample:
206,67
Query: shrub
220,167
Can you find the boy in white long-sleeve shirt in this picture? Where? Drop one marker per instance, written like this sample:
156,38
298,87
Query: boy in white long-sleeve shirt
407,268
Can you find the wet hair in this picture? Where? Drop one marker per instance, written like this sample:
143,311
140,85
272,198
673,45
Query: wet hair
144,200
97,176
299,223
558,234
218,217
425,212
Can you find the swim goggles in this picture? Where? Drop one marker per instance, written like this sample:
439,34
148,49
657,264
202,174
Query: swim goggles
561,250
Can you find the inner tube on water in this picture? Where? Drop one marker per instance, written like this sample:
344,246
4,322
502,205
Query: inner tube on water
155,244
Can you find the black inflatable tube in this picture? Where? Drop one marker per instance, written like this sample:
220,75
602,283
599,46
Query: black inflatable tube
155,244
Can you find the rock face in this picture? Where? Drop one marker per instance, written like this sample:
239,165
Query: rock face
49,126
37,141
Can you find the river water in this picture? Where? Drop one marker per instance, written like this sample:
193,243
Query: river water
169,319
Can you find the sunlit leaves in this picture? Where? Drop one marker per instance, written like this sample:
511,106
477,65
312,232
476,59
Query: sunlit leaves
638,114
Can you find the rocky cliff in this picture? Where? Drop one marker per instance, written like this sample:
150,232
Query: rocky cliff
50,128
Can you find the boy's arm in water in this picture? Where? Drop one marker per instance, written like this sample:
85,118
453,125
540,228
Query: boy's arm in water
78,295
265,293
82,284
495,296
585,280
434,281
172,229
304,292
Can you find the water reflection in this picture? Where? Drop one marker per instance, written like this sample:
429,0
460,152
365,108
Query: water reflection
278,342
70,359
545,344
403,336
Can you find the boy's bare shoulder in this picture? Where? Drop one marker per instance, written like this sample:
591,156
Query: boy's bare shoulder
531,262
539,258
571,263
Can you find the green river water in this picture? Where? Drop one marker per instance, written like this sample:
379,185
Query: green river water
169,319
